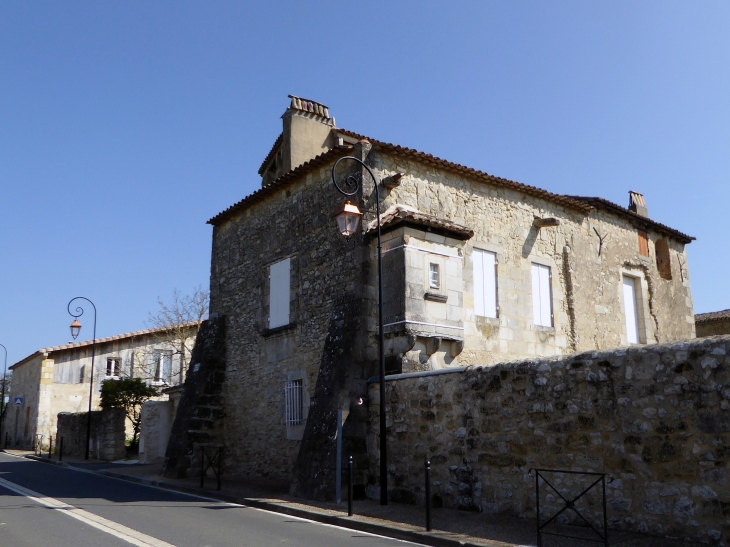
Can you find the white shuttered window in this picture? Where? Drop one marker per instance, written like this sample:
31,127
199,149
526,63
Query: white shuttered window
631,311
542,305
485,283
279,287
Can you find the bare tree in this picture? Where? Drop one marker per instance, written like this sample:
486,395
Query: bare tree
174,327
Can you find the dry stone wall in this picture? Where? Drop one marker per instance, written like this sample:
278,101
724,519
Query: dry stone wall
657,418
107,433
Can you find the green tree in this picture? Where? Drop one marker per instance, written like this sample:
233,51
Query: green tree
129,394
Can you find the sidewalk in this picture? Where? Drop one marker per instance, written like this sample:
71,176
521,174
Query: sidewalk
451,528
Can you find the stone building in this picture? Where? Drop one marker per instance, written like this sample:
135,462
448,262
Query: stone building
56,379
478,270
713,323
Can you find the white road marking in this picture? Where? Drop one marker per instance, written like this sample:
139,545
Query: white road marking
110,527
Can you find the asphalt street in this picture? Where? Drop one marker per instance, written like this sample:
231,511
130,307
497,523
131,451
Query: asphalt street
43,505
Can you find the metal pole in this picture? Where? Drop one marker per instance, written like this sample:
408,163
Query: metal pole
381,344
79,313
537,507
50,446
2,397
220,450
338,466
605,518
60,451
202,466
428,496
350,481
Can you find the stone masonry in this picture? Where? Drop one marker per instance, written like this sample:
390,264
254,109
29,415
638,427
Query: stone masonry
657,418
107,434
434,212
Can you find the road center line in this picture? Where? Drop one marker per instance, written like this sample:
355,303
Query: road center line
110,527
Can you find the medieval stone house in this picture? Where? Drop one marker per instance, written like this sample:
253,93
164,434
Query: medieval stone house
478,270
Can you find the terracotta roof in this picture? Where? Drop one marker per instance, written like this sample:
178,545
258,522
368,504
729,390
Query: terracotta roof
271,153
638,220
281,182
475,173
400,214
75,345
710,317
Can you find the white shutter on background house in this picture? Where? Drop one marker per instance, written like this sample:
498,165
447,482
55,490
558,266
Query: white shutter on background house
485,283
541,296
630,310
279,289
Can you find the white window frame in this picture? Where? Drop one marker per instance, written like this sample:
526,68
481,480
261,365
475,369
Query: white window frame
158,367
486,303
631,296
279,293
115,370
294,402
434,275
542,295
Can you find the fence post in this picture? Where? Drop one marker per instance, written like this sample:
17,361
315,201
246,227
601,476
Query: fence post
350,481
537,507
428,496
202,466
60,450
605,517
220,453
50,446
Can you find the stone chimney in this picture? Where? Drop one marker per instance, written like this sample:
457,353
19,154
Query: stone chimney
637,204
307,132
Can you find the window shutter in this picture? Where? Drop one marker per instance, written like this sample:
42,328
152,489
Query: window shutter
546,304
279,293
542,305
536,316
643,243
479,308
485,283
630,311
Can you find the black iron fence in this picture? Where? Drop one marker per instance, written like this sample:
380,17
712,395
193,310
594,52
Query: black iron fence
568,501
211,458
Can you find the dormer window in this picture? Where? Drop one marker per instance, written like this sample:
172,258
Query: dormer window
434,276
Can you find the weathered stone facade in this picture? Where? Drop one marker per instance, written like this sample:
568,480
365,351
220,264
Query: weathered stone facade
438,214
107,434
656,418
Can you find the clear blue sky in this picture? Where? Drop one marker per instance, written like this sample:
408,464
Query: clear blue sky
124,126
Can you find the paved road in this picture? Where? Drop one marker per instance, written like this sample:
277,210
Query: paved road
43,505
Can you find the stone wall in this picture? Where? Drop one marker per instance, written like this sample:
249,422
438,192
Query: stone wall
713,328
107,434
657,418
156,419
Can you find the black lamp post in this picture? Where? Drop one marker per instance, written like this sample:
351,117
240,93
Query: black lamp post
348,219
2,397
75,330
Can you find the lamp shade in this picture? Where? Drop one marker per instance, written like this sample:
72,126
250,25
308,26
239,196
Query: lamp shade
75,328
348,219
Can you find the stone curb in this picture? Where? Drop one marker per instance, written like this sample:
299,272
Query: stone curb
424,538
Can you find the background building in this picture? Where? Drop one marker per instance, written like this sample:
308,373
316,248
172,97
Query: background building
56,379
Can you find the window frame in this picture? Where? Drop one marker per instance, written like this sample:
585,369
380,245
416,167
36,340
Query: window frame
544,297
493,287
279,275
294,402
116,368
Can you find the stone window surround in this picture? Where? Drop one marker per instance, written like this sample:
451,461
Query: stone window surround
296,432
469,287
646,324
555,291
264,329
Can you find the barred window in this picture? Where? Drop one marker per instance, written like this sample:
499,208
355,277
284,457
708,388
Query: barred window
294,399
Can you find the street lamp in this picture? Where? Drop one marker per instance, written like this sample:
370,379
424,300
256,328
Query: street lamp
75,330
2,397
348,219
